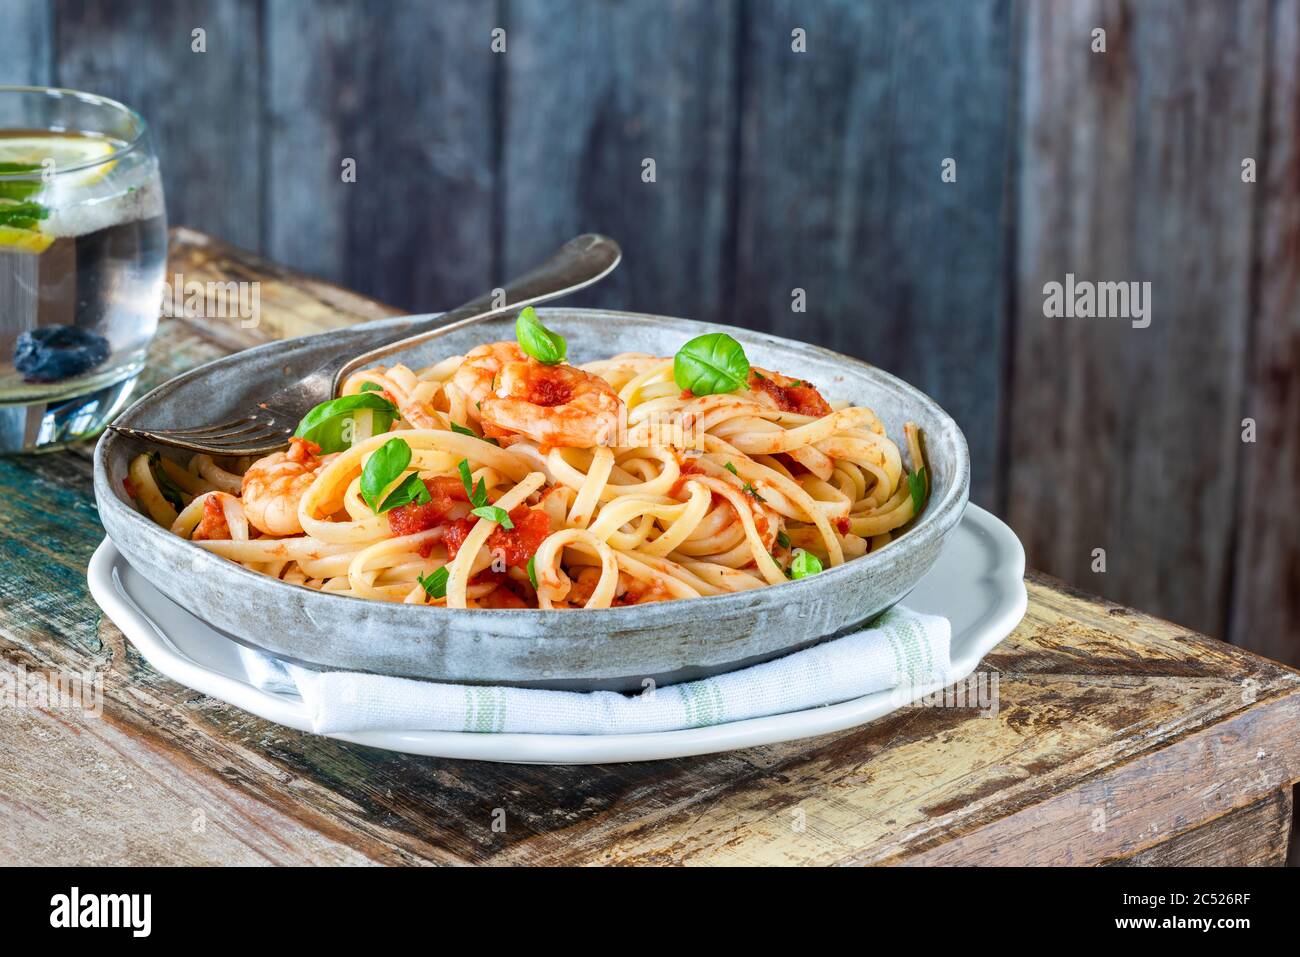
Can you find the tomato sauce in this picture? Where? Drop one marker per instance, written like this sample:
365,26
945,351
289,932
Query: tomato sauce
799,397
548,390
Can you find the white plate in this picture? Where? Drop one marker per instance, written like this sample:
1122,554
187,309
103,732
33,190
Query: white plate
978,583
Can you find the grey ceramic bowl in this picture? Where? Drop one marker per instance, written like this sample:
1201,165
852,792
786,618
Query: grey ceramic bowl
616,648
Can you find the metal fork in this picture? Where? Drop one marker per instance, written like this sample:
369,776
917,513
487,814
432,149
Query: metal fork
268,426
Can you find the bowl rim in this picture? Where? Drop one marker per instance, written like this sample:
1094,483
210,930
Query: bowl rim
937,520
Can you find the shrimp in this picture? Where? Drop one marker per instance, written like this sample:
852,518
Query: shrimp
274,485
555,406
477,375
213,525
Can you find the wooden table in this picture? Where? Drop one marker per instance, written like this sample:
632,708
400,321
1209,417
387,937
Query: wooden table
1117,738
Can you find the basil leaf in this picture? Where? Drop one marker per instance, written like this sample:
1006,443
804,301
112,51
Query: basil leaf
548,348
916,485
711,364
532,570
385,464
435,584
325,424
371,387
494,513
477,494
750,490
805,564
412,489
732,469
467,480
461,430
169,489
783,539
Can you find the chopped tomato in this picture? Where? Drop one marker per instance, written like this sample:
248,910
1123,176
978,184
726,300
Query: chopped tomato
798,397
521,542
213,524
456,534
516,545
842,525
418,517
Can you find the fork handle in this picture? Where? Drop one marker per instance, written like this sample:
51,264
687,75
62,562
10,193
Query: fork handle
575,265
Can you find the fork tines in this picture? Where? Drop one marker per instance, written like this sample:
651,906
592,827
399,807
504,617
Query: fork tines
246,435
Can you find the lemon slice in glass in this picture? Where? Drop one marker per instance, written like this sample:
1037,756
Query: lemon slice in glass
24,240
20,209
65,151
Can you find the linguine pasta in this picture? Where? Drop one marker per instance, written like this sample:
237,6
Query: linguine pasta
507,478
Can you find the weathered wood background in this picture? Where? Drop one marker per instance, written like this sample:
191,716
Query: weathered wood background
821,171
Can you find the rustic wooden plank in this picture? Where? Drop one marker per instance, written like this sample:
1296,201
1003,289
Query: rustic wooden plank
412,106
841,194
1254,836
77,799
203,108
1098,707
26,44
1083,687
1125,438
290,304
1266,593
590,91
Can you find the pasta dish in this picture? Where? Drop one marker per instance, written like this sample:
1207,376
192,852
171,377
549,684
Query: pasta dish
509,478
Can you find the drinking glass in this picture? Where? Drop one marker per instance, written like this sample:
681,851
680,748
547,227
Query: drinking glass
83,250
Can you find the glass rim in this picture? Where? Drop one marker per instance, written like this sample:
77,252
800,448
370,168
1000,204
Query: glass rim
95,99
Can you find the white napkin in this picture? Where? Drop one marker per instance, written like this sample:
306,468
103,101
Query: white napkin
901,650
